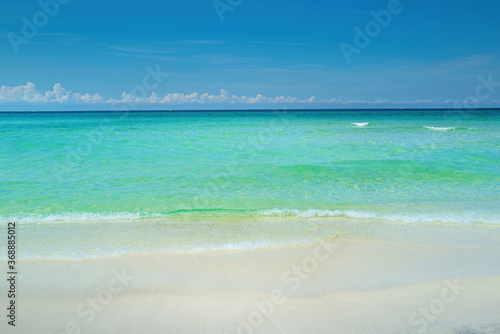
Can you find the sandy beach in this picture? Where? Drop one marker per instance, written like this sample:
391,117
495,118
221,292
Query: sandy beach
328,287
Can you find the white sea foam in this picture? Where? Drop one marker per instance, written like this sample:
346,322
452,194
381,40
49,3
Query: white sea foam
361,124
439,128
76,216
446,217
406,217
244,245
82,252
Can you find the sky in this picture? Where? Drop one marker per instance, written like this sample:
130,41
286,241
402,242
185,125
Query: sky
248,54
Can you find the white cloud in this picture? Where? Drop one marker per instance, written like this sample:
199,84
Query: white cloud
59,95
204,98
28,93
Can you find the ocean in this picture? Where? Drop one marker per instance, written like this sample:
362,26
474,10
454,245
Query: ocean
102,184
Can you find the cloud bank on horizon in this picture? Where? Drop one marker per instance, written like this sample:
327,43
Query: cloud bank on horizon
29,94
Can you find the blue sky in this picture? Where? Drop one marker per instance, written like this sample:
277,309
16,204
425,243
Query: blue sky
91,54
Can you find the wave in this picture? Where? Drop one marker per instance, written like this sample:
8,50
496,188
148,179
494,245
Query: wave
80,251
243,245
406,217
416,127
77,216
447,217
440,128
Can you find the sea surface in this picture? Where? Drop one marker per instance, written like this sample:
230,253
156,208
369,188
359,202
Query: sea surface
98,184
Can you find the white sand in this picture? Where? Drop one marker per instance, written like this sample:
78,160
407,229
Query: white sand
353,288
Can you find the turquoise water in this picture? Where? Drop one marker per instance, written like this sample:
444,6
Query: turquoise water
419,167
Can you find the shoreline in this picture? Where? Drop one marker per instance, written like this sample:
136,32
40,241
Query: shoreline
116,239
